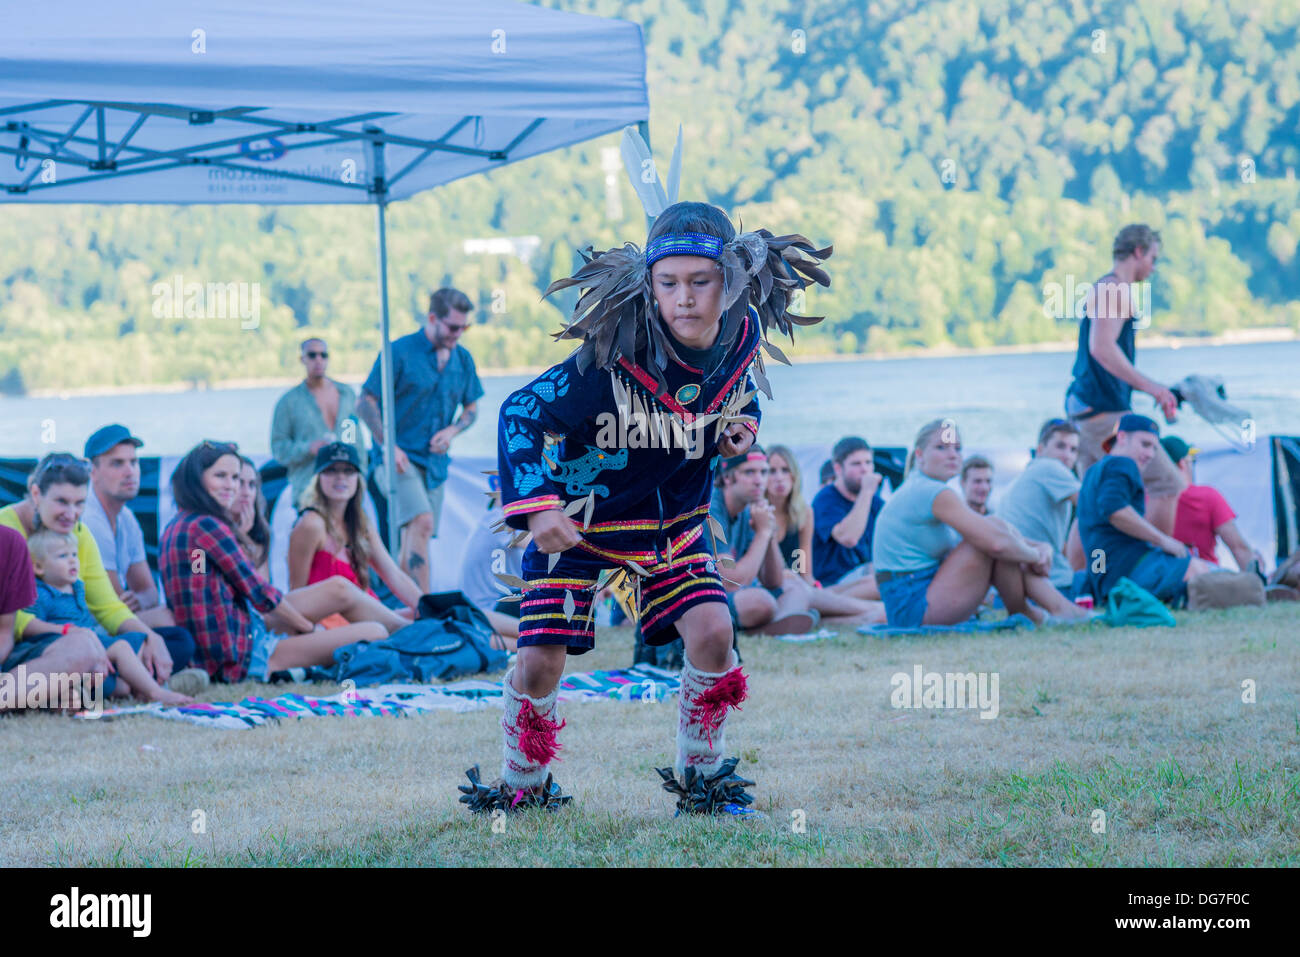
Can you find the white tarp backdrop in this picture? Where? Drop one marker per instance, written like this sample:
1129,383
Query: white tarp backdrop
241,91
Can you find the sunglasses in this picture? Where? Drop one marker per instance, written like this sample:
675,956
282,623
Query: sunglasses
317,355
226,448
59,460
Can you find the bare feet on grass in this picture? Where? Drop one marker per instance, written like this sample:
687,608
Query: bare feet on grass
163,696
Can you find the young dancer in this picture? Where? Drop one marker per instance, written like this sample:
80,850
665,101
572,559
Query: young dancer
608,459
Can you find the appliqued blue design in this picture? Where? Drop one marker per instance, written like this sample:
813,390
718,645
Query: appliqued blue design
523,404
578,474
516,438
553,383
527,477
646,483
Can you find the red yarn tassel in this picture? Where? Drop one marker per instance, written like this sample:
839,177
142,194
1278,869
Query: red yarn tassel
710,708
537,738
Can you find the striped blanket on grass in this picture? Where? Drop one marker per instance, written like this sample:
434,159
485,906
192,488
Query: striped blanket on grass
638,683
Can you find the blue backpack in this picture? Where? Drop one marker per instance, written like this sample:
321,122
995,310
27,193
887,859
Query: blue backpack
450,638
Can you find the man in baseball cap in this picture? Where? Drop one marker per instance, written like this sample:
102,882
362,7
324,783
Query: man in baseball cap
115,481
1118,541
107,437
1204,515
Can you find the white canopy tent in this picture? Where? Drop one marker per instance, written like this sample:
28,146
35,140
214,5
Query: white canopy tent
186,101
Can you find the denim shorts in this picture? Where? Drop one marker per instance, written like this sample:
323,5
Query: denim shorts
904,596
1162,575
264,643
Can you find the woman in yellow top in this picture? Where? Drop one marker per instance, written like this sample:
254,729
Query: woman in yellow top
56,498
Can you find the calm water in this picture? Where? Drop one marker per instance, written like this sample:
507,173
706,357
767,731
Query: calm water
997,401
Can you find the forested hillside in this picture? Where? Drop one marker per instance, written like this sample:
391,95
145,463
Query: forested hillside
960,155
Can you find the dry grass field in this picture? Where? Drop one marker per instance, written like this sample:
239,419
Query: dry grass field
1148,726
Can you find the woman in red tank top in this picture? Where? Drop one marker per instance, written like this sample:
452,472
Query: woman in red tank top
333,535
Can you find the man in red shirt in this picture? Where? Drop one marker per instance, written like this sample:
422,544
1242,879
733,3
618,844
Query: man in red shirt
1203,515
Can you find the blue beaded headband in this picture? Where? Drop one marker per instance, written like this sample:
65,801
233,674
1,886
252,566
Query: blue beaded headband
682,244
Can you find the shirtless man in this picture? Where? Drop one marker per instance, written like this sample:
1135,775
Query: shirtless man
317,411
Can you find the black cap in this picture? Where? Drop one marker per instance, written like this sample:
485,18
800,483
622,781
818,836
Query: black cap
107,437
337,452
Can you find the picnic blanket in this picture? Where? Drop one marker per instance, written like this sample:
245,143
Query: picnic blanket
638,683
1003,624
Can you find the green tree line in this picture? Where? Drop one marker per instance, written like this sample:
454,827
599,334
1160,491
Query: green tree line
959,155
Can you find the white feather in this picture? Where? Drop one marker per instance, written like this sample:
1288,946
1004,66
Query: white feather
636,158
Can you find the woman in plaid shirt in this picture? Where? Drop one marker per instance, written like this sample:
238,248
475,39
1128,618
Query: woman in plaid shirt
245,627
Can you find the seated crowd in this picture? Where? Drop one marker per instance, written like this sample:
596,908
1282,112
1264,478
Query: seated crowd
77,594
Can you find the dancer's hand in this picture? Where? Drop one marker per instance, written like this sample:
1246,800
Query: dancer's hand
553,531
735,440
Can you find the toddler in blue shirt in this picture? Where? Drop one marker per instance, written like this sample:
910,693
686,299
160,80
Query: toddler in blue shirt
61,600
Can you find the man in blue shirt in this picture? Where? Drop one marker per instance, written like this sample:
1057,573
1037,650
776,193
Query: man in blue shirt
844,520
432,377
1118,541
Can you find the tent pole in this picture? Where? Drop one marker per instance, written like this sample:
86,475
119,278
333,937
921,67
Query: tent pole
380,192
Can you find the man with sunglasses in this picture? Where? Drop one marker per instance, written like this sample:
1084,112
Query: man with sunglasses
433,376
317,411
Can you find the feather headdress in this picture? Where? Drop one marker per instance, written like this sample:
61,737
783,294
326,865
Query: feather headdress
616,313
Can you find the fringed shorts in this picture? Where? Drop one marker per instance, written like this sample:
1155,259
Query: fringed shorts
672,589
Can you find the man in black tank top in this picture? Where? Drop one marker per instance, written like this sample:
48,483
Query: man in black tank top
1105,371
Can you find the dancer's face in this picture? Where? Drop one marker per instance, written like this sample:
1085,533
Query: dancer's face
688,291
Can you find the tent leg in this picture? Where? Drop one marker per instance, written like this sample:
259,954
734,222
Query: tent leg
386,371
